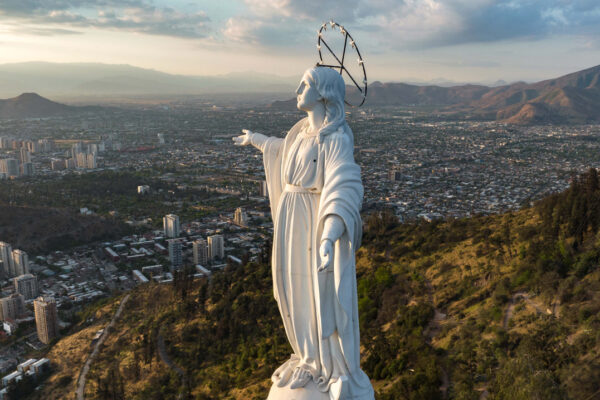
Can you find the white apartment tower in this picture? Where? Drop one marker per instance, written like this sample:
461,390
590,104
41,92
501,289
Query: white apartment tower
20,262
262,189
10,167
46,318
200,252
27,169
7,260
25,155
12,307
216,247
240,217
171,225
26,285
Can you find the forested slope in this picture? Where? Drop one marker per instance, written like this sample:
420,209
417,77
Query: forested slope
503,306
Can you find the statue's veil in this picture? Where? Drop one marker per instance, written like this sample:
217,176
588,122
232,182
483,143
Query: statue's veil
331,87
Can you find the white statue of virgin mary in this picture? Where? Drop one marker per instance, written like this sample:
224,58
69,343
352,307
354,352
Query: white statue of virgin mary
316,193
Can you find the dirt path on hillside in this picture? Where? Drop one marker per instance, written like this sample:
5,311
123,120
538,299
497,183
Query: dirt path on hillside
162,353
431,331
539,308
94,353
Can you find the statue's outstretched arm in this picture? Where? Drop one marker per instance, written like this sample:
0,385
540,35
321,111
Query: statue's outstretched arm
256,139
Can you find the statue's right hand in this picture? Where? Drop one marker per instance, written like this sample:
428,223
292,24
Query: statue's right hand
243,140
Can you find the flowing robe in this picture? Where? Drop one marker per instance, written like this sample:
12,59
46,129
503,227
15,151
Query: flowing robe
308,179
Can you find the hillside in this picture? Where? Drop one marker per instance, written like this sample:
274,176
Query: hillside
32,105
571,98
503,307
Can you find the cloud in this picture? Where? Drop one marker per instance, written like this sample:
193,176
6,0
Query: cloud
126,15
36,31
409,24
263,32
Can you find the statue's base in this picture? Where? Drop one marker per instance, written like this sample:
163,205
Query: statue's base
309,392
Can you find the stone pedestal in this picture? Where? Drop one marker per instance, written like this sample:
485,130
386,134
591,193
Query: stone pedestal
309,392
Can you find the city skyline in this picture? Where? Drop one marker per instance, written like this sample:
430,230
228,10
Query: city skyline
459,41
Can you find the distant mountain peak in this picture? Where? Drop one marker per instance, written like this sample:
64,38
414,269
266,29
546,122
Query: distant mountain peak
32,105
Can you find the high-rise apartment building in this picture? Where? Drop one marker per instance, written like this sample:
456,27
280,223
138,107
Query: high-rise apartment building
216,247
91,161
200,252
25,155
175,253
171,225
7,260
12,306
262,189
10,166
26,285
27,169
46,318
20,262
240,217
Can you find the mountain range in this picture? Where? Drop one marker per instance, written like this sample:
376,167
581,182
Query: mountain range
32,105
573,98
64,80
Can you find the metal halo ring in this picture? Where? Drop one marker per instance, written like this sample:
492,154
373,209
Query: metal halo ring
342,68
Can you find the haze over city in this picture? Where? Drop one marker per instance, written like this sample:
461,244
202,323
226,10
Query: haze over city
413,41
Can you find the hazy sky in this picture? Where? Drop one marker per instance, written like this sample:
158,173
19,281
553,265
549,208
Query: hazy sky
459,40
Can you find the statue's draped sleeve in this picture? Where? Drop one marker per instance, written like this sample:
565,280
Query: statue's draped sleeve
341,195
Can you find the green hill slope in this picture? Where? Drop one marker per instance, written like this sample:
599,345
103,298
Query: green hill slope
497,307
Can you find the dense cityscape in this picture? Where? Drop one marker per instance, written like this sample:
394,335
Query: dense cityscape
207,199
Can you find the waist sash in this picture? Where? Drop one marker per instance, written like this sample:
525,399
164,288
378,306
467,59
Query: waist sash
299,189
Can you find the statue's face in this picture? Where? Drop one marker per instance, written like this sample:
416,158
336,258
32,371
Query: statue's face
307,95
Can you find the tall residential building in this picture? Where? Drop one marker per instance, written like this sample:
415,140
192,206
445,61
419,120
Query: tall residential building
26,285
394,175
240,217
27,169
200,252
175,253
216,247
7,260
91,161
12,306
20,262
46,318
262,189
25,155
171,225
10,166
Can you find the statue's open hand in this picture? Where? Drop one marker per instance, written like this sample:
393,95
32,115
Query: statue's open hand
325,251
243,140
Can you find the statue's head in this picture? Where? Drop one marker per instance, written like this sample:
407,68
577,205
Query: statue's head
326,86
